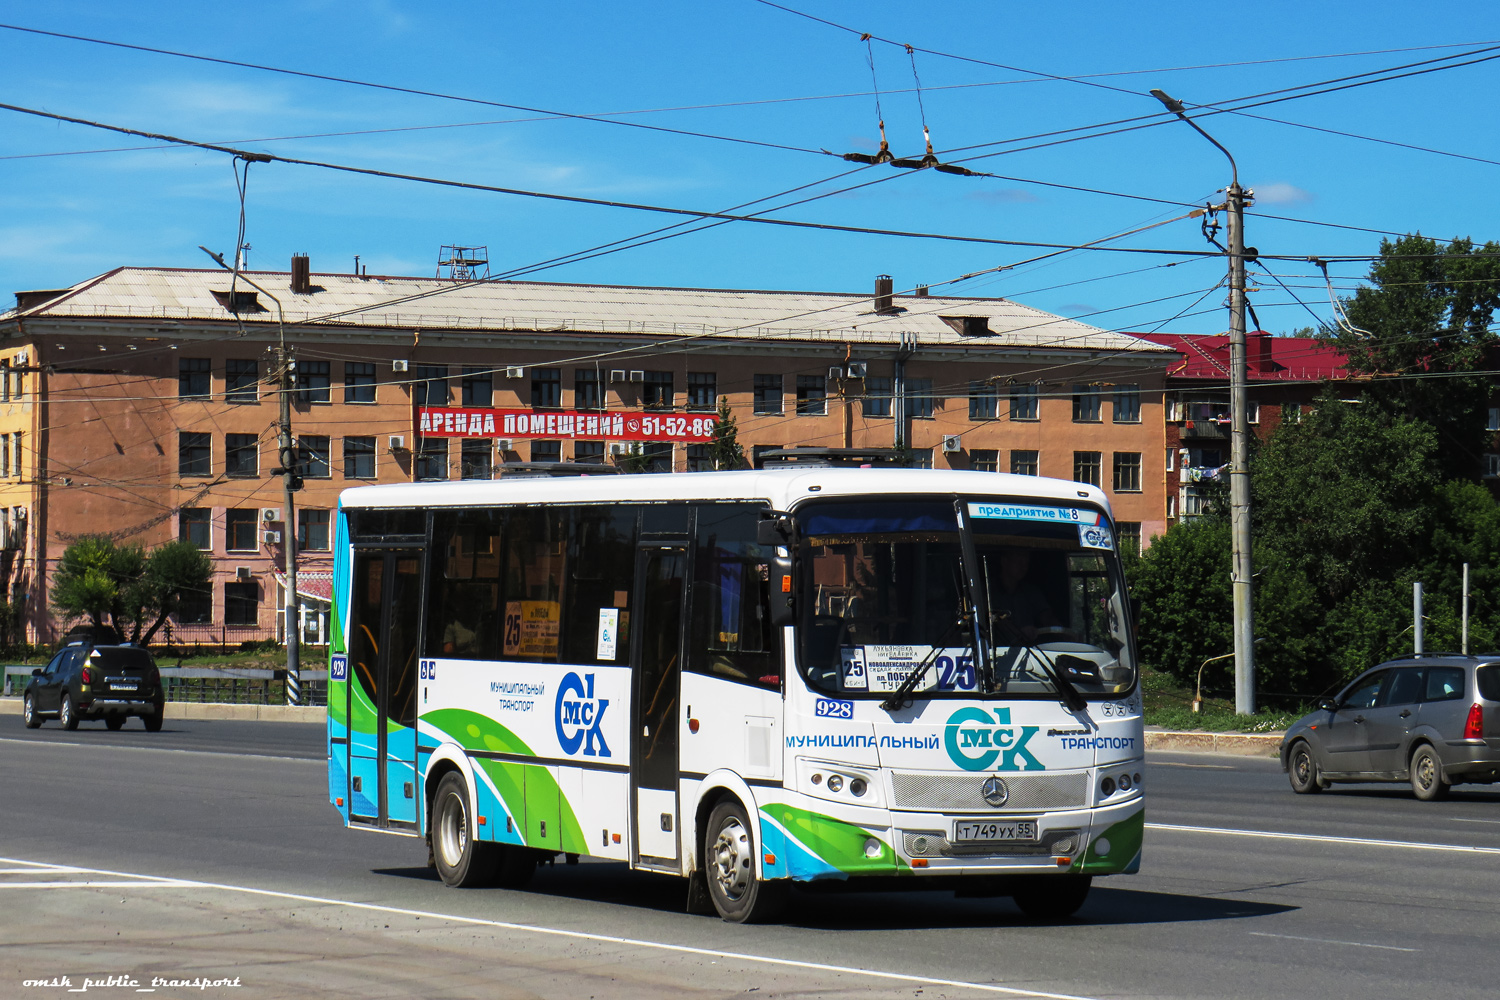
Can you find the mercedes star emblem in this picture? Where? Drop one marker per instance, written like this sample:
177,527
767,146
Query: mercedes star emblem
995,792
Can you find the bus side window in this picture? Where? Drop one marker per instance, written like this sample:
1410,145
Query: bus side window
731,635
535,575
464,590
601,554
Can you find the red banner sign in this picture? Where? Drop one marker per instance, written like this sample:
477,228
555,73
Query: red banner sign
614,425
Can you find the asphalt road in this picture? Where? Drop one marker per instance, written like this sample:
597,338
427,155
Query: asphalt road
220,858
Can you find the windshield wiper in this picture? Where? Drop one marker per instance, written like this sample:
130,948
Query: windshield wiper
1069,695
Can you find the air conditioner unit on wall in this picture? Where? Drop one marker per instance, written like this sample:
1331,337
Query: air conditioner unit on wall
400,366
515,371
617,374
504,444
835,373
637,376
619,449
242,572
271,537
398,442
952,443
857,369
269,514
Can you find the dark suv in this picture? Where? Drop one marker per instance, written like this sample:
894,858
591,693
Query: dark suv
1432,720
87,681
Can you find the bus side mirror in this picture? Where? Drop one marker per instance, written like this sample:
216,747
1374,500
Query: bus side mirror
775,529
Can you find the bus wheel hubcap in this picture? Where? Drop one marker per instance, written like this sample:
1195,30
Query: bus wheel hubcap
731,860
455,833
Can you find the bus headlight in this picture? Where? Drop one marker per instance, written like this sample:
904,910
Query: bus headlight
835,782
1107,787
857,787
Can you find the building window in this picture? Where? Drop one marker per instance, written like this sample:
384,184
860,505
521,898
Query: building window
546,451
241,380
359,382
1171,506
702,391
984,401
758,452
19,465
1491,466
1086,405
194,526
312,530
658,456
359,458
4,454
476,459
920,458
1171,459
657,392
477,387
919,398
699,459
242,603
1023,402
984,460
194,454
1128,536
1493,423
546,388
1024,463
1252,412
317,462
591,452
1086,467
877,401
768,394
241,455
194,607
812,393
314,381
430,385
240,527
588,389
194,378
432,459
1192,502
1127,472
1127,409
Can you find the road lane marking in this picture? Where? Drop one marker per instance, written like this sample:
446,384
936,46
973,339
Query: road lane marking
125,746
152,884
1352,944
37,871
1460,819
1410,845
575,935
1178,763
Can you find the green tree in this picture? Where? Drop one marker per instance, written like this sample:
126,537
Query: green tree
724,448
1427,313
634,460
125,588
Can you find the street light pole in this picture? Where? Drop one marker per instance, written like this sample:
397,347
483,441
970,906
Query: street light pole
1239,432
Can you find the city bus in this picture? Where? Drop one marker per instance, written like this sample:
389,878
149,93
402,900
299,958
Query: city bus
893,677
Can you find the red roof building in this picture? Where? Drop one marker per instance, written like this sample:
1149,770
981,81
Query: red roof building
1282,372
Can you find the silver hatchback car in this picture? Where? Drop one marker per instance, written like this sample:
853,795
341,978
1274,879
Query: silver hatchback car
1432,720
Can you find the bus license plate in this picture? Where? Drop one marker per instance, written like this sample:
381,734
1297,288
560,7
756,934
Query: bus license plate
994,831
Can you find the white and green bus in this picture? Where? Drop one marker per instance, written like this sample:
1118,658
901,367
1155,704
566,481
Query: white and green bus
744,679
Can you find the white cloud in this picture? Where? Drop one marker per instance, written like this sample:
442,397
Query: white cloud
1281,193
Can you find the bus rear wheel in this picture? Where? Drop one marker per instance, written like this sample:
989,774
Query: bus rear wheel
729,860
462,861
1051,897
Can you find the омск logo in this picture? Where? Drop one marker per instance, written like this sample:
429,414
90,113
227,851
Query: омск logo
975,739
579,716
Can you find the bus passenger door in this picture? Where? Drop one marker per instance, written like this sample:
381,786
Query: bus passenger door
383,686
660,579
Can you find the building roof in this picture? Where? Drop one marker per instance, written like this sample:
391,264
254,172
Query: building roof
1271,359
369,301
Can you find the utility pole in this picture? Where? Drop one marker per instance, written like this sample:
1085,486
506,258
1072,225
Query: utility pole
290,481
1241,567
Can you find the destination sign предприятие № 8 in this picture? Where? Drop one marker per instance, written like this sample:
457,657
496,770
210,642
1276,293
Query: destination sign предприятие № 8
619,425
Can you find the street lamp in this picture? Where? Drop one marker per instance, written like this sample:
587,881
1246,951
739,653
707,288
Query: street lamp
1239,451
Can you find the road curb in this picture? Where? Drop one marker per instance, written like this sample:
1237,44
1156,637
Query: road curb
1246,744
210,710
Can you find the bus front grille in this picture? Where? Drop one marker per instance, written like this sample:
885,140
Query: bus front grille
964,792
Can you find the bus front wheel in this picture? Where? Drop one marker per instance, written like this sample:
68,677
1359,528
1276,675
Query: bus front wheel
1051,897
729,861
462,862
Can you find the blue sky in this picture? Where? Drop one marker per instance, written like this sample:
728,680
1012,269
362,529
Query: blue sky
777,78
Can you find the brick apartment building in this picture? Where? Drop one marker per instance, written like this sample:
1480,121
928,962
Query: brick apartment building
142,403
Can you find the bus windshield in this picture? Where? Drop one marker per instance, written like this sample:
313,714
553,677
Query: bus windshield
885,594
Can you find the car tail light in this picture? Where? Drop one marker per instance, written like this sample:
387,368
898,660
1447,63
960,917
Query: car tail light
88,678
1474,726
